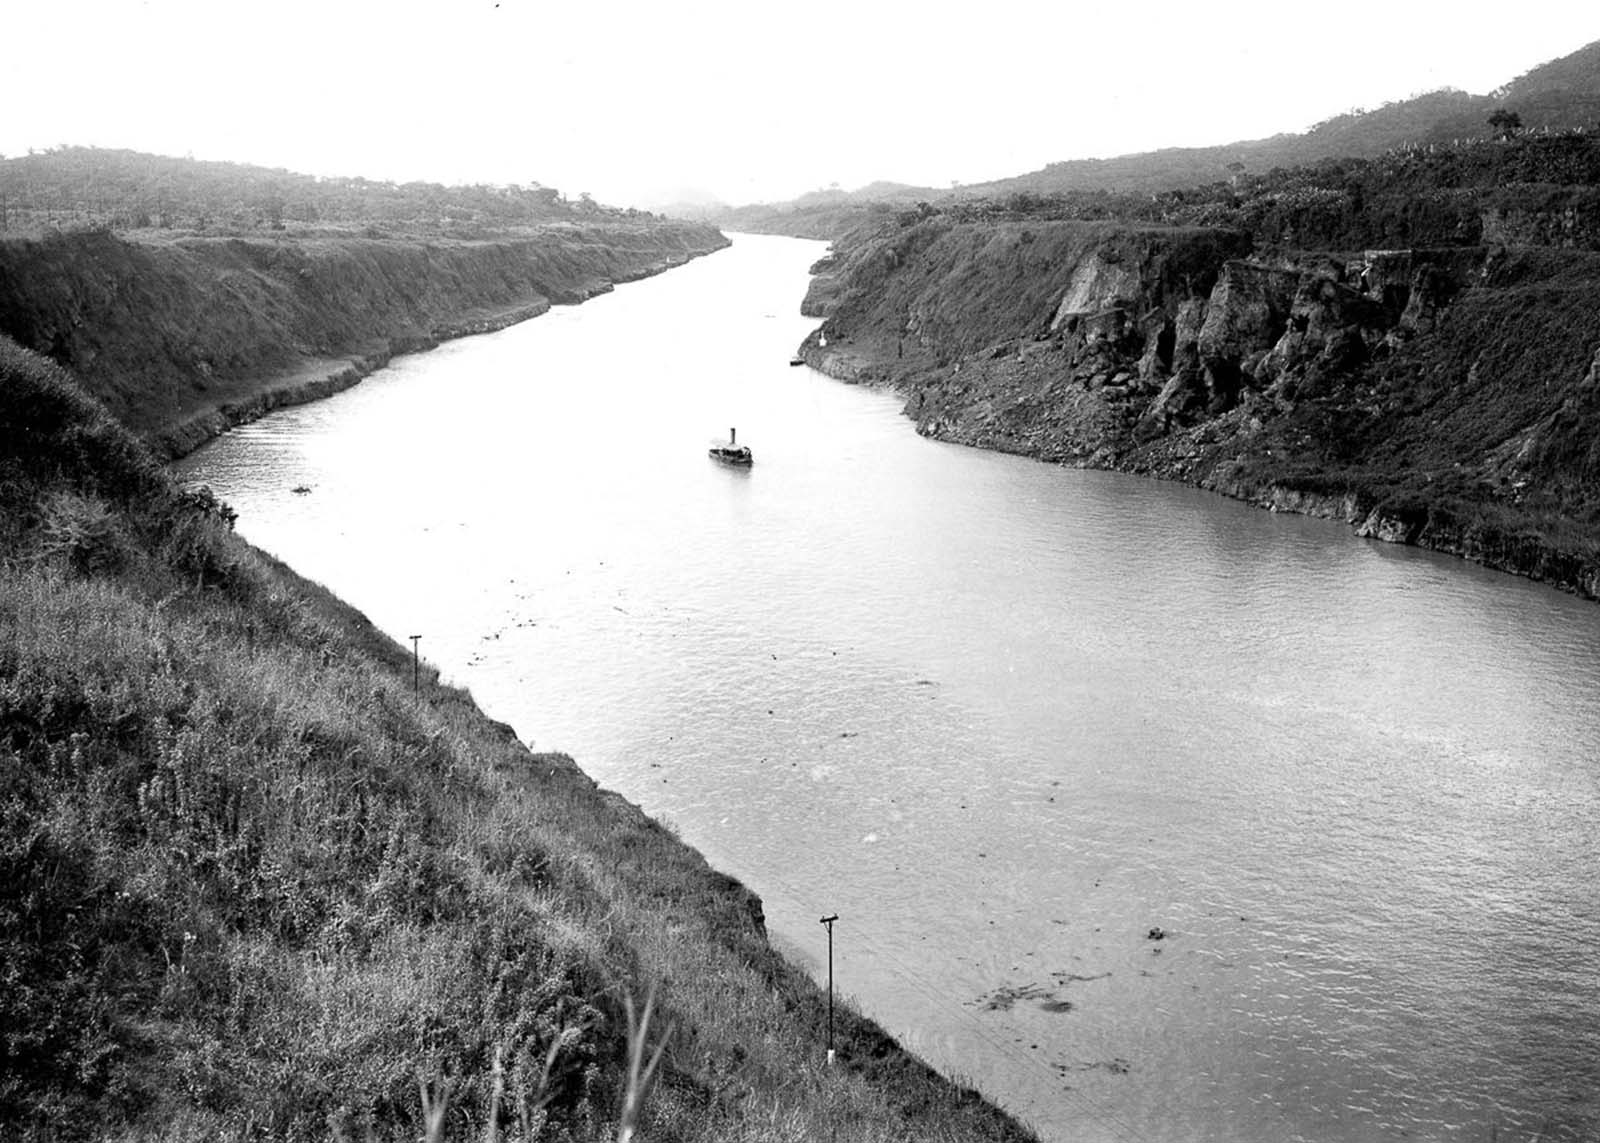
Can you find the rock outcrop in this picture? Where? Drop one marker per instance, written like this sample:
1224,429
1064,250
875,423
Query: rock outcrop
1440,396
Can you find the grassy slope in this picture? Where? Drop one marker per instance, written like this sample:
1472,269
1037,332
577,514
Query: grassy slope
250,884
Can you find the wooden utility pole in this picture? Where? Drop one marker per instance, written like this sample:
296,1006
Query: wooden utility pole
828,921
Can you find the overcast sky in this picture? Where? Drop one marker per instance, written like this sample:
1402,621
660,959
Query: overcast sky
750,100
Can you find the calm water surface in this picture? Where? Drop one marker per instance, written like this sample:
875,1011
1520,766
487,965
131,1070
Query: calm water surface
1004,718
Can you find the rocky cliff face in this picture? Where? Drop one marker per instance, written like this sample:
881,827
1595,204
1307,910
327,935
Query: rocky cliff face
1432,396
1569,218
181,337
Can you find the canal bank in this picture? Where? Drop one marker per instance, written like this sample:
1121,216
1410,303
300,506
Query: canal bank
182,337
1003,718
268,878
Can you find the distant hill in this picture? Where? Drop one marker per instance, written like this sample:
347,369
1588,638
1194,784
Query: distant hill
688,202
1560,95
815,214
879,191
1365,134
1559,92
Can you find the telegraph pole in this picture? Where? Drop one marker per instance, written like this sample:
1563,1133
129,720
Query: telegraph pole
829,920
414,663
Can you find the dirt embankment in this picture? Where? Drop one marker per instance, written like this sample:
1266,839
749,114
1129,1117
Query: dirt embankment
181,338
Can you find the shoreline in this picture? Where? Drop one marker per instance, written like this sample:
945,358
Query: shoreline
356,819
867,1048
1526,558
318,378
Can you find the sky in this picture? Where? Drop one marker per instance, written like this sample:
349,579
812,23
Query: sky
756,100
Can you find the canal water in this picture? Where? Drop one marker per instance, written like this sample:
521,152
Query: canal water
1155,816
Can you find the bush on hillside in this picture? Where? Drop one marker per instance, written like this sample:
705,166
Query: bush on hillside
83,531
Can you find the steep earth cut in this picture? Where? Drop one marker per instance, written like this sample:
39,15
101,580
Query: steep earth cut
181,338
1445,397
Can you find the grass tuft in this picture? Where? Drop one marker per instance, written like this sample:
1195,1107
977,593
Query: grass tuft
643,1062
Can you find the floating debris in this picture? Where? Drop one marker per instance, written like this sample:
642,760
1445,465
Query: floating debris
1117,1066
1076,978
1004,998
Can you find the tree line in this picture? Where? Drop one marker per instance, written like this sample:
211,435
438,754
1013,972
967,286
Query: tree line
97,188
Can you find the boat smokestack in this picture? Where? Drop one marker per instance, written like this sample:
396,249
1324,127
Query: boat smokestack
733,436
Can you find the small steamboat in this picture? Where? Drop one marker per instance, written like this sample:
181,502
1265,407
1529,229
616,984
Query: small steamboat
733,452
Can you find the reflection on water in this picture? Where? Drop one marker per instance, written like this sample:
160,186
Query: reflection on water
1004,718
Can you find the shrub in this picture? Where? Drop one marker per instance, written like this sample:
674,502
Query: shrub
83,531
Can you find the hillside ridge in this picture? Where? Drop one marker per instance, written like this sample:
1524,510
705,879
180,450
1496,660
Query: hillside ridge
182,337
